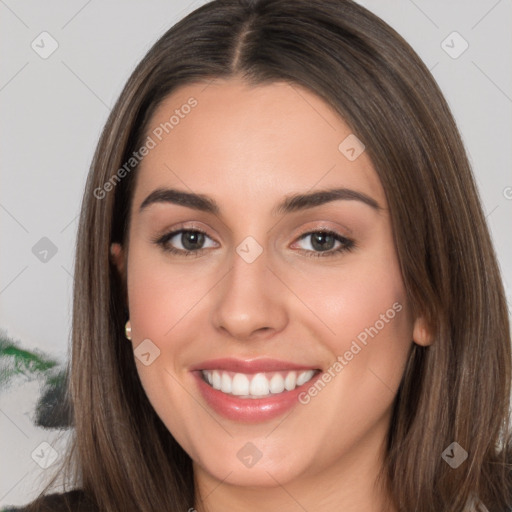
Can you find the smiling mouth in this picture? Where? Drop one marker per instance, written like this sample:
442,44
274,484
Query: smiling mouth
257,385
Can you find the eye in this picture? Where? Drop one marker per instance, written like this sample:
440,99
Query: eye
190,240
324,242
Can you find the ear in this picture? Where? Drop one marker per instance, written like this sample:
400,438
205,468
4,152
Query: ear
117,257
421,334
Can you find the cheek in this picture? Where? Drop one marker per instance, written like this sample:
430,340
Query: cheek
160,294
362,311
165,302
162,302
359,290
362,317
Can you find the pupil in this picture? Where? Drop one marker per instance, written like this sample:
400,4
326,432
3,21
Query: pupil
188,239
321,239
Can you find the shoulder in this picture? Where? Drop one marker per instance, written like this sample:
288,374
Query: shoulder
71,501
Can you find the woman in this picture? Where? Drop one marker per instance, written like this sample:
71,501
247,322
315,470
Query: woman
216,365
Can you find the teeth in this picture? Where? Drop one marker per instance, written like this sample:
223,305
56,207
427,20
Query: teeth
226,386
290,381
240,384
277,383
304,377
258,385
216,380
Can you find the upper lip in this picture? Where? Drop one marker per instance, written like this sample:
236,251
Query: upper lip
250,366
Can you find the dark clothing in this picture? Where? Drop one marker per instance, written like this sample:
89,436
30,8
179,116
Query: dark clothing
71,501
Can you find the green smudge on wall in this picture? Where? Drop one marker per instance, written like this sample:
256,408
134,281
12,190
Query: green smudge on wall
53,409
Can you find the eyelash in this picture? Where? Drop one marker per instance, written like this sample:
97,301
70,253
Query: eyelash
347,244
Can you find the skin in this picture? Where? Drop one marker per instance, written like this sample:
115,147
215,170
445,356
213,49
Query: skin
247,148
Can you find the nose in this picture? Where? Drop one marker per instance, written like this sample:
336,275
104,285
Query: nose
251,300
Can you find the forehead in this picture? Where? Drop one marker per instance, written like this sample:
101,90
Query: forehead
226,137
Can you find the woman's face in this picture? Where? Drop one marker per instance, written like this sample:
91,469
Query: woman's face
306,334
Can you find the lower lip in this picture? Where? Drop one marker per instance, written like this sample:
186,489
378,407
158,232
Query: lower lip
250,410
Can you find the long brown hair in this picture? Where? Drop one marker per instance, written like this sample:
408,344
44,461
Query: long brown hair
456,390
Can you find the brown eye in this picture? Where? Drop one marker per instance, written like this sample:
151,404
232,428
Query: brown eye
189,241
323,243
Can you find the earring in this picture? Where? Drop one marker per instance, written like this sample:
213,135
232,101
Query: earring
128,330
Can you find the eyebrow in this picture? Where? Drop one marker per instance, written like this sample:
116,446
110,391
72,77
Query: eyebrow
290,204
